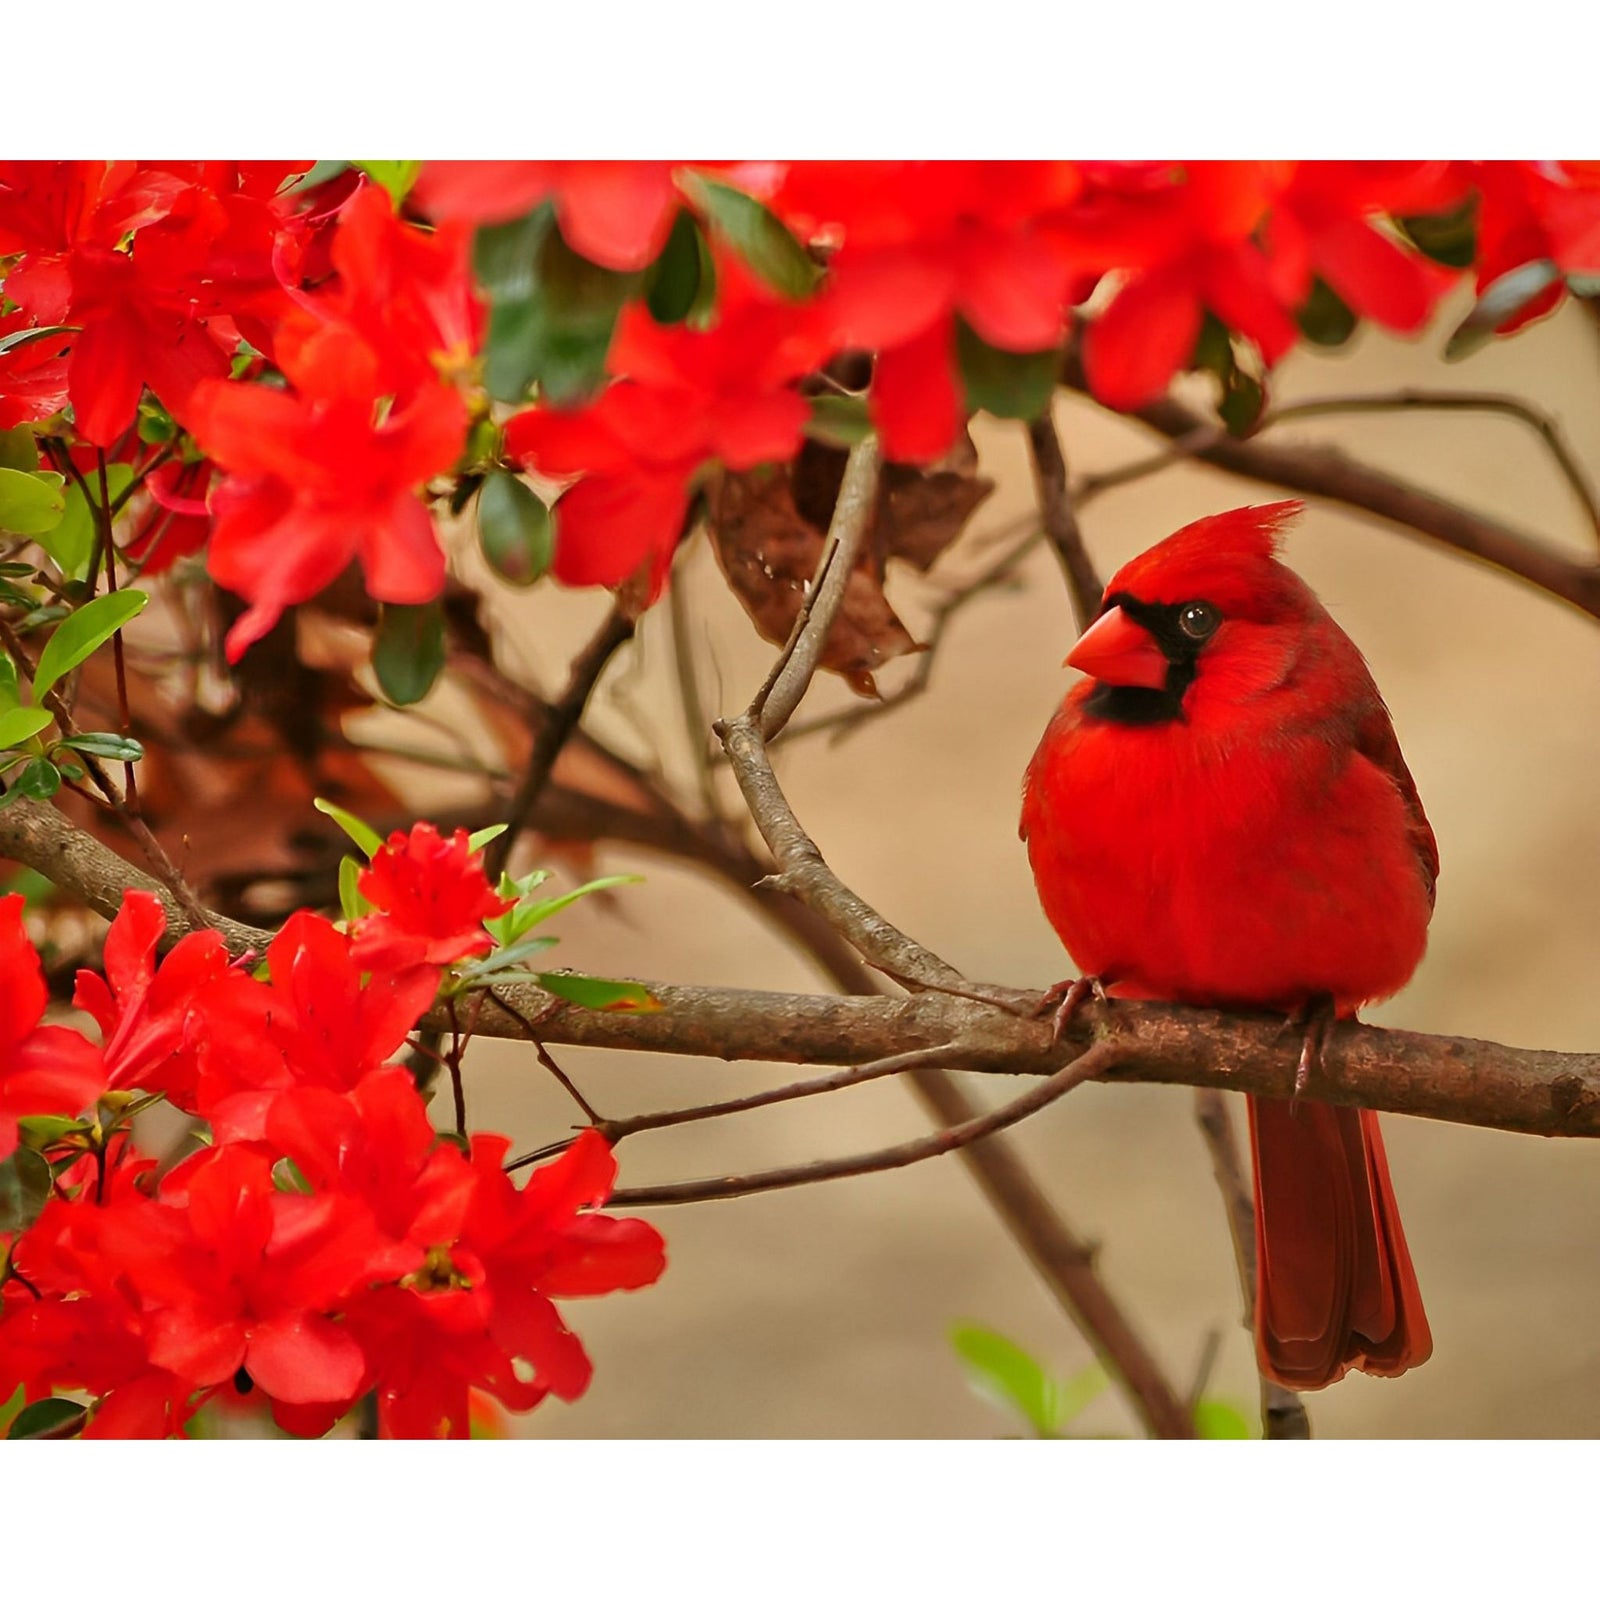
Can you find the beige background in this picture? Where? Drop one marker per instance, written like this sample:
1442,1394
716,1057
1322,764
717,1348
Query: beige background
825,1311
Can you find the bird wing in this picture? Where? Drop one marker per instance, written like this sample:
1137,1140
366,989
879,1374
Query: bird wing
1375,739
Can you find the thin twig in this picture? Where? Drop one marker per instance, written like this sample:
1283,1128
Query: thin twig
1060,521
1329,473
1091,1064
1283,1414
697,726
555,728
617,1129
105,516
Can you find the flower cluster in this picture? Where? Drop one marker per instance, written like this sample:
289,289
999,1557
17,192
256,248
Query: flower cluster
322,1242
329,347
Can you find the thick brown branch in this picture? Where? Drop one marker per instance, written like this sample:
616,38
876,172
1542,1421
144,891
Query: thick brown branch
1060,520
1327,472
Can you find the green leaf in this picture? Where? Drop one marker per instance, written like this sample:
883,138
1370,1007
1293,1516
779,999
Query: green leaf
1006,1374
524,917
682,283
1075,1394
1450,238
408,652
81,634
1213,1419
351,900
10,692
71,542
512,955
476,841
1510,293
838,419
156,425
1002,382
766,245
287,1178
363,833
515,530
1243,400
24,1188
598,994
42,1131
19,451
317,174
39,780
21,723
105,746
53,1418
552,314
1325,319
394,177
23,336
1586,285
31,503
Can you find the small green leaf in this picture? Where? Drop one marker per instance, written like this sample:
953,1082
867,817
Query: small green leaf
1006,1374
53,1418
515,530
39,780
317,174
81,634
10,693
287,1178
31,503
394,177
363,833
598,994
1450,238
19,450
71,542
766,245
1213,1419
42,1131
531,916
351,900
1325,319
408,651
503,256
23,336
1586,285
1243,400
21,723
24,1188
105,746
838,419
476,841
1075,1393
1510,293
156,425
512,955
1003,382
682,281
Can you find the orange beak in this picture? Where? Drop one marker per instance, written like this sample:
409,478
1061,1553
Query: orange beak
1117,650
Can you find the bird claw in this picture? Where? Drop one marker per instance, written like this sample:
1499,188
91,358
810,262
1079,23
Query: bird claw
1316,1018
1066,999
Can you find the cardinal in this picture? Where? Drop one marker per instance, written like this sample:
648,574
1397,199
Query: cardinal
1219,815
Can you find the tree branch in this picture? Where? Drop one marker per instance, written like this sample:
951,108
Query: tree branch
1329,473
1060,521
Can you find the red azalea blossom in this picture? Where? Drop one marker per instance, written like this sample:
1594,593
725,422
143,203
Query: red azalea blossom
432,897
684,396
1536,211
617,213
314,485
42,1070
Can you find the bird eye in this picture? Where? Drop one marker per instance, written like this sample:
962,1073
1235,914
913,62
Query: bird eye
1198,620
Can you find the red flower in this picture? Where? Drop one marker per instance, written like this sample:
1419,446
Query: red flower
617,213
401,310
155,1021
315,484
685,396
432,897
487,1301
33,376
42,1070
917,244
1537,211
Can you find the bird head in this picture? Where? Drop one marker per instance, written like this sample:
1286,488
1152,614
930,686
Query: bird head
1207,613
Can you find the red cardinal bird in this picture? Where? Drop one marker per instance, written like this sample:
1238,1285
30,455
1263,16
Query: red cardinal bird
1220,816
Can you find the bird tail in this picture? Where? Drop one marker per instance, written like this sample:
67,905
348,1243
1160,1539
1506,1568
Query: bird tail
1335,1288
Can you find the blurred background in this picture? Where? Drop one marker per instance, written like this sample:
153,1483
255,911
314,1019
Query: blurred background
826,1311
